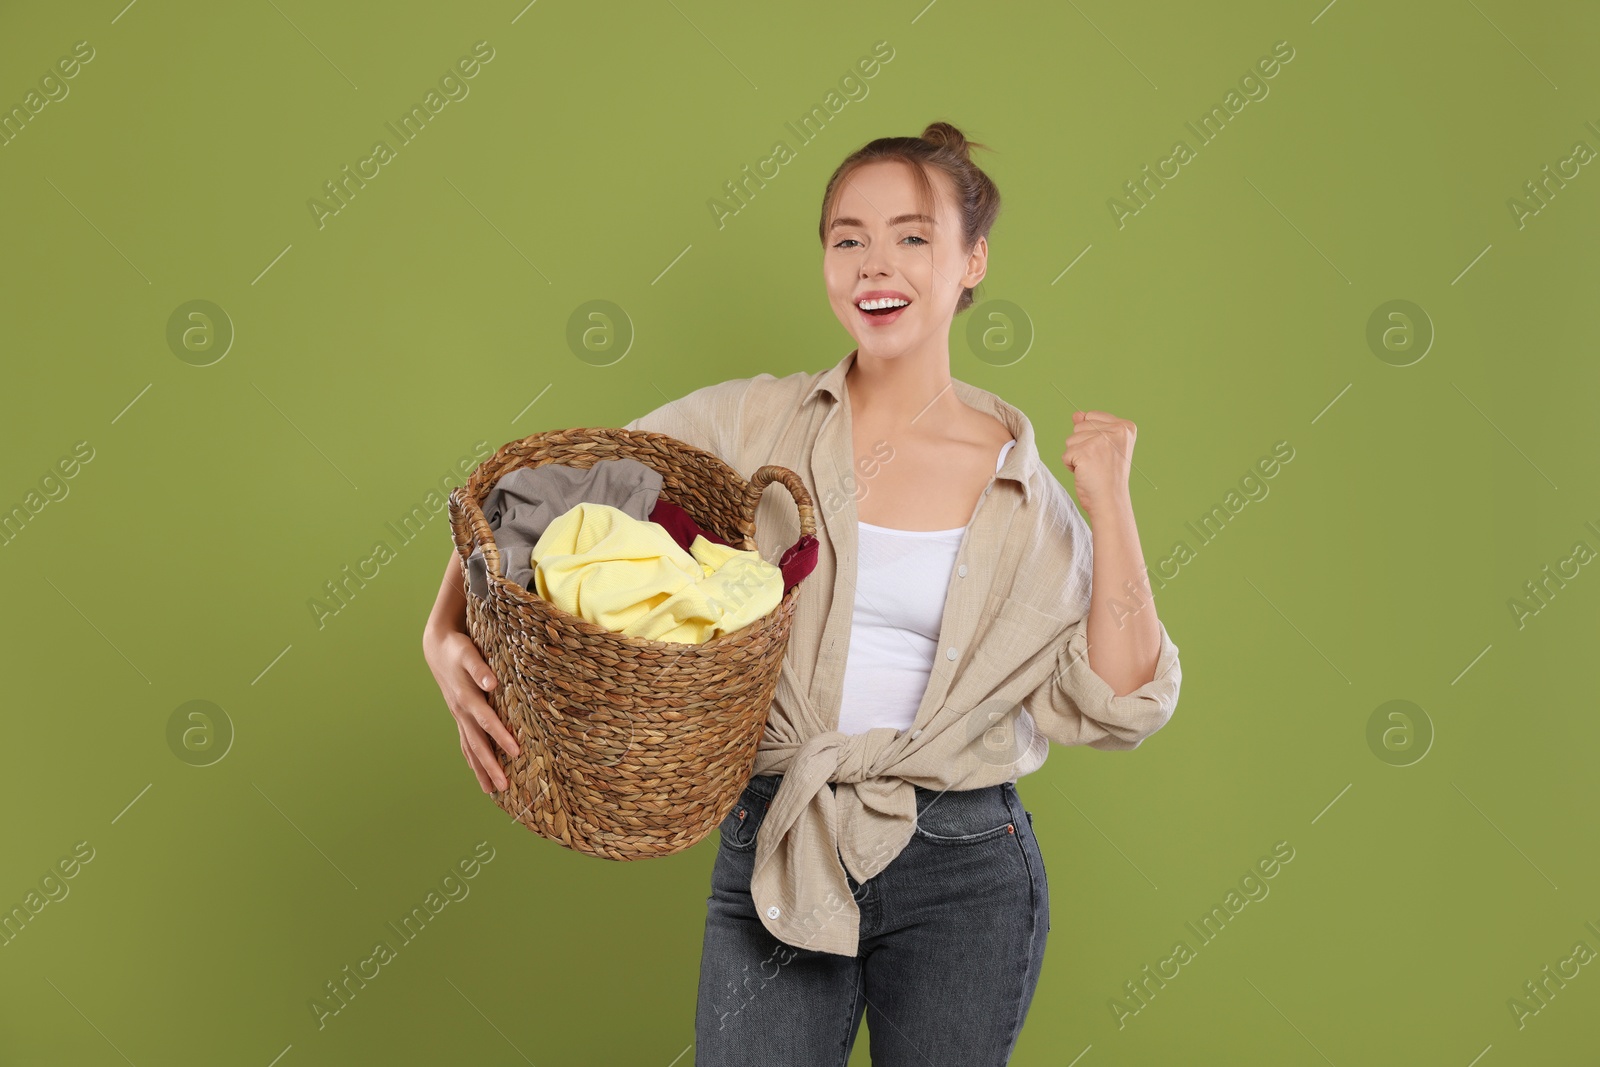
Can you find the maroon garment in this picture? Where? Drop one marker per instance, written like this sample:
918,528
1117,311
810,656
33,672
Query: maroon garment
798,560
680,524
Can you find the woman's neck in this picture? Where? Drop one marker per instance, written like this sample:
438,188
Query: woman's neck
900,390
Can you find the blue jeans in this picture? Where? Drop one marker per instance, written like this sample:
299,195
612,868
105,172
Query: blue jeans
952,939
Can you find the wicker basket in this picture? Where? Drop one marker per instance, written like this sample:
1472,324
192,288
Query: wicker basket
630,747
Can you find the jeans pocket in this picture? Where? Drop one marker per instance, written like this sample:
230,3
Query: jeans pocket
970,828
738,828
965,839
1038,856
965,817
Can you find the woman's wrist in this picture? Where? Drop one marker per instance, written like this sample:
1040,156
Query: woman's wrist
1114,518
438,628
431,633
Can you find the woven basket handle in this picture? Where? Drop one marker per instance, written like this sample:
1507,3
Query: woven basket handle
471,530
764,477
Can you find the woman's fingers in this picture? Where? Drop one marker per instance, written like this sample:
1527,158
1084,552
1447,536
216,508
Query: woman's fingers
484,717
462,675
472,661
472,761
479,679
481,751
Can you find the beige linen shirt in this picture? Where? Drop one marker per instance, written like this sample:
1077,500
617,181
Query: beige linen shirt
1013,637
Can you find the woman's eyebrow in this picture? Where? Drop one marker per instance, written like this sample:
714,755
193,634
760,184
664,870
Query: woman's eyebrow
897,220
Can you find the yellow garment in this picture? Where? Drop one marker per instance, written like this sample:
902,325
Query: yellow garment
630,576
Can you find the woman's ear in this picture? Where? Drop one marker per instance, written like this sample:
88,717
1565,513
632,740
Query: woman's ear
977,264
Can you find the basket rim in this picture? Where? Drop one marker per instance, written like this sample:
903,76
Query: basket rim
522,596
533,439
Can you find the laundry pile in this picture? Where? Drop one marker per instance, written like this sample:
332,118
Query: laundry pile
600,543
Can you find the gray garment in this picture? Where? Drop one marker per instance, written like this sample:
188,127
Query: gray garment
524,503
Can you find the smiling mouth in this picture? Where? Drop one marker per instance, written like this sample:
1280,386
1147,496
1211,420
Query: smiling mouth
882,312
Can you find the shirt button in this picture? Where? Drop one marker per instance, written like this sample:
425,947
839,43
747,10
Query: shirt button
772,912
986,490
962,570
916,733
950,653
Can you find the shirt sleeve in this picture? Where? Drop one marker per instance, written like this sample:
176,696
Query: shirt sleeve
1076,706
709,417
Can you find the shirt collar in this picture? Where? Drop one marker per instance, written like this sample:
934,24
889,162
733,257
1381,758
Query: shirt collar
1021,464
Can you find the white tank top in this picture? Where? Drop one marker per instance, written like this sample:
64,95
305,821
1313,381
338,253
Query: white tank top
902,578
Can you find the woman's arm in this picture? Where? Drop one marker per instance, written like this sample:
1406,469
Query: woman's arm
1124,632
450,609
1116,674
1124,635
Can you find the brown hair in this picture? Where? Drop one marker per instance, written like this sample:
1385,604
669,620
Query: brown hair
943,146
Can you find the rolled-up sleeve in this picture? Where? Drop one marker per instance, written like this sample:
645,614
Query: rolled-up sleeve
1076,706
709,417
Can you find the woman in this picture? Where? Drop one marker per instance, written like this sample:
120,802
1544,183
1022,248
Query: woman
880,860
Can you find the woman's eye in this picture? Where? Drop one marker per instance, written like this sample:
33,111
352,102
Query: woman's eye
853,241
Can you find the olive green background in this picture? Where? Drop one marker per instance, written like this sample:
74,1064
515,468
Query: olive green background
371,353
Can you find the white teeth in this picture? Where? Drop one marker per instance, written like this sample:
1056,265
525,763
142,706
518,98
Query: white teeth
886,302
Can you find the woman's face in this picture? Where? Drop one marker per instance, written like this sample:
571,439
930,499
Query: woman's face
878,244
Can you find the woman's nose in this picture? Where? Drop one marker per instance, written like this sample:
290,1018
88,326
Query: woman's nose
875,260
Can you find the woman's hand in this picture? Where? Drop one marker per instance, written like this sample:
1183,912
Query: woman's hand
1099,454
465,679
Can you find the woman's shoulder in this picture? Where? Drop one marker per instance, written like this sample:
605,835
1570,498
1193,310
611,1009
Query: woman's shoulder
988,428
764,400
761,385
721,415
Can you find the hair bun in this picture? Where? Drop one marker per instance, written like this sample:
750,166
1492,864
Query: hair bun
944,135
